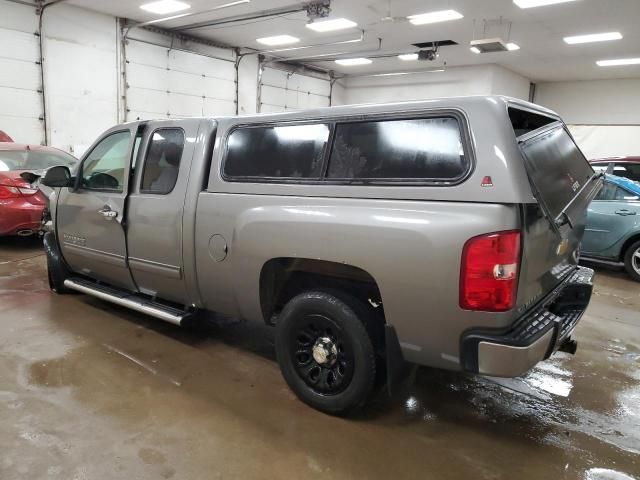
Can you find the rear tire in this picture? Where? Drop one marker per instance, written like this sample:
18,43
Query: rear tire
632,261
325,352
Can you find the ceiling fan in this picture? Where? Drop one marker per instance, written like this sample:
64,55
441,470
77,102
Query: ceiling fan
388,17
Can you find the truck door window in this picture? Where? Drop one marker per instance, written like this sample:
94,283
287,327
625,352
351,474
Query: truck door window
162,163
104,167
416,149
275,152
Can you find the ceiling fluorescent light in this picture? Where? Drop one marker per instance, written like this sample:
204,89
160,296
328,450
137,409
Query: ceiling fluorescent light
191,14
349,62
593,37
408,56
434,17
165,6
475,50
538,3
331,25
513,46
277,40
618,62
397,74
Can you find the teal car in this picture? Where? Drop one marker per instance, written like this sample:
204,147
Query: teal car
613,225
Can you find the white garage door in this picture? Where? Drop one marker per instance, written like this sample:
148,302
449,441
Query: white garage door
20,100
165,83
281,90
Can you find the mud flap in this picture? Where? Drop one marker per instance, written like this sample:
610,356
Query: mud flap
398,370
51,248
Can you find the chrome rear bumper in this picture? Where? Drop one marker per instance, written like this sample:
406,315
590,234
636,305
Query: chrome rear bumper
534,336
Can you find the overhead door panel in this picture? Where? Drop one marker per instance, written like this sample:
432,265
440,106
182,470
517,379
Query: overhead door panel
282,90
20,98
168,83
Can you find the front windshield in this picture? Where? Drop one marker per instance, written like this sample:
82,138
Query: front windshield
33,160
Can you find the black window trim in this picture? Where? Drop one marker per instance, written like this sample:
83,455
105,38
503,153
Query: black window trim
459,115
80,177
400,180
146,155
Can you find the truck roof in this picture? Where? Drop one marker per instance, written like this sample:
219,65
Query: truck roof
488,102
373,108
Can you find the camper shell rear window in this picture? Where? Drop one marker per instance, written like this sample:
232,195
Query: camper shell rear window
525,121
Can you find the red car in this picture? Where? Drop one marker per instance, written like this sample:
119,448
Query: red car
627,167
21,203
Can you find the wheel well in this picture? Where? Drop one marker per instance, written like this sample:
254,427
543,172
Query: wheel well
281,279
627,244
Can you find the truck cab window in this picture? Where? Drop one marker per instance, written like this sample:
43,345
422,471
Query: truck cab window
162,162
287,151
104,168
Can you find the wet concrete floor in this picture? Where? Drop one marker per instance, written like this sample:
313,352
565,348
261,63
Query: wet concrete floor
93,391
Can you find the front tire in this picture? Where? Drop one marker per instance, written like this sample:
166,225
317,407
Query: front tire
632,261
325,352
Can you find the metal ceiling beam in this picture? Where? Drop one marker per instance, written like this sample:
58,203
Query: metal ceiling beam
191,14
272,12
304,47
329,57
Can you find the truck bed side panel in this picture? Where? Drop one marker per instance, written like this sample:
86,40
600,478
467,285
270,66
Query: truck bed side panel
411,248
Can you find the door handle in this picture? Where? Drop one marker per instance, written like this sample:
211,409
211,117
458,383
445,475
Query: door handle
107,213
625,212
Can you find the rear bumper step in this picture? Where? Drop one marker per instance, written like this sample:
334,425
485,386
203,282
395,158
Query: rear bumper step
128,300
534,336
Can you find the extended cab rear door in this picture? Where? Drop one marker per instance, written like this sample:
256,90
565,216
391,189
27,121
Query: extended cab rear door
155,208
90,217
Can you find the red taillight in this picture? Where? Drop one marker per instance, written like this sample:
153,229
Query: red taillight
8,191
489,272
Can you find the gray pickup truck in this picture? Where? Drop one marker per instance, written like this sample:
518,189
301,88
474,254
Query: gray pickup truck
443,233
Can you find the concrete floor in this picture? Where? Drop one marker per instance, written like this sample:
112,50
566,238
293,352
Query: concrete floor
92,391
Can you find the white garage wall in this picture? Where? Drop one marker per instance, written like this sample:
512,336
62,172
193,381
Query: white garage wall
506,82
81,75
599,102
338,93
247,84
599,141
20,99
455,81
281,90
603,115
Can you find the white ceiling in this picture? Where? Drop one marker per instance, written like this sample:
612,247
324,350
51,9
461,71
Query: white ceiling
539,31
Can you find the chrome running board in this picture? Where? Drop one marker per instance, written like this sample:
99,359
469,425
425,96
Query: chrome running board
128,300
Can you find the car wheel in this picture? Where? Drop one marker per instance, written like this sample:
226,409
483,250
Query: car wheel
325,352
632,261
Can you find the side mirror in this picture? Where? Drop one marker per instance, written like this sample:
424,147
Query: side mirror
59,176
